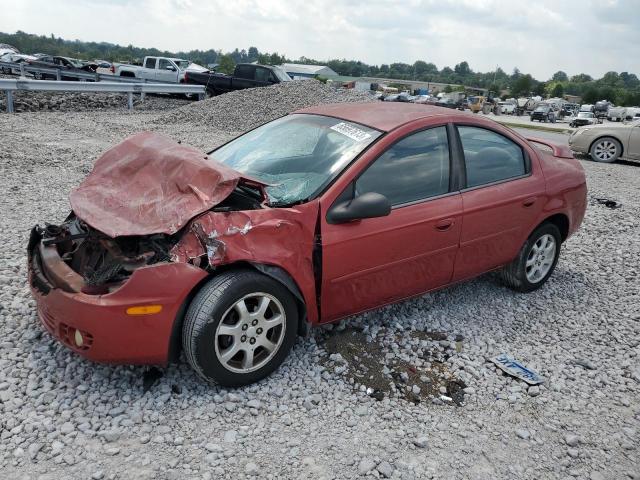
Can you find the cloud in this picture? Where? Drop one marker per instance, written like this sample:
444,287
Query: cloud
591,36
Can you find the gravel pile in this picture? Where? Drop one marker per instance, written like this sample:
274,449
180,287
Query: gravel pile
245,109
367,397
74,102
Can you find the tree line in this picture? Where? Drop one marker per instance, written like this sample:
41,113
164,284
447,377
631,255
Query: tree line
620,88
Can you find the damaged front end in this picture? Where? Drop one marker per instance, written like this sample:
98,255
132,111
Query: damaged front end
80,258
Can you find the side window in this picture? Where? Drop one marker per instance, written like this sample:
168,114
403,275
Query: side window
163,63
150,62
262,74
490,157
244,71
414,168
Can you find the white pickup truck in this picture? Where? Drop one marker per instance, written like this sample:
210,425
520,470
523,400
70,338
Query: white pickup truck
158,69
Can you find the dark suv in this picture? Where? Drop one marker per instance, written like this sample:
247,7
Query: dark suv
543,113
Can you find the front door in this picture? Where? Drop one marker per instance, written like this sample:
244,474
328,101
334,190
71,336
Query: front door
502,201
167,71
371,262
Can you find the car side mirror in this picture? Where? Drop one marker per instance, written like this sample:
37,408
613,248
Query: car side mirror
367,205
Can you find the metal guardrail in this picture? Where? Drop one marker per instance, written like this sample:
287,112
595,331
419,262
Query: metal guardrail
25,68
9,86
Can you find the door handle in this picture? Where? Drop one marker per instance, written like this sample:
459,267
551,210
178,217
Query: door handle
444,225
529,201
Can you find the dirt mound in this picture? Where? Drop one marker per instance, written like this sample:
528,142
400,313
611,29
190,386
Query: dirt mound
246,109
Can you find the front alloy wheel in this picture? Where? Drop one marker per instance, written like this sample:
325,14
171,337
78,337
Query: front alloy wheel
239,328
250,333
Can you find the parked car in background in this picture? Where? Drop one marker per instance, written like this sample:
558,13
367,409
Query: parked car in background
103,67
601,109
631,113
245,75
507,108
159,69
286,232
544,113
587,107
6,48
64,64
616,114
584,118
608,143
422,99
18,58
447,103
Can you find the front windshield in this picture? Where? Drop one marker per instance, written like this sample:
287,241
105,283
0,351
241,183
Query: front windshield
296,155
75,62
585,115
281,74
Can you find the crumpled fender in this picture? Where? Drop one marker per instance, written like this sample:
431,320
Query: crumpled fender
283,237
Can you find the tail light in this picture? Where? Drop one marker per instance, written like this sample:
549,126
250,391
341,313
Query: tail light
112,69
186,77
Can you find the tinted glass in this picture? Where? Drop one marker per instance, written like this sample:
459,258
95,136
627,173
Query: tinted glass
244,71
262,74
489,156
297,155
414,168
150,63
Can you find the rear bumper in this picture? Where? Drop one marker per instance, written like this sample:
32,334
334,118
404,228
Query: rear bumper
108,333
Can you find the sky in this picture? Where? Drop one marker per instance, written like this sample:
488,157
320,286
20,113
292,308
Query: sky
537,36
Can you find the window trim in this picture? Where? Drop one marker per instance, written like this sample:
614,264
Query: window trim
463,161
453,173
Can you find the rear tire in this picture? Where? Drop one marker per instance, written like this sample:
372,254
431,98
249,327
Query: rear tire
606,150
536,260
239,328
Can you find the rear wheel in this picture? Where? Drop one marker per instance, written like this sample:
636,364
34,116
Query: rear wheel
536,261
606,150
239,328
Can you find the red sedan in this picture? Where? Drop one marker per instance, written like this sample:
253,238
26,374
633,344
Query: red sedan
318,215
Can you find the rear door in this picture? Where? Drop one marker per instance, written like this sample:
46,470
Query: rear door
633,149
374,261
149,70
244,77
503,197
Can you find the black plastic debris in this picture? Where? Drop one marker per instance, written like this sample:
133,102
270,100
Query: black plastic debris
150,378
608,203
455,390
177,389
377,394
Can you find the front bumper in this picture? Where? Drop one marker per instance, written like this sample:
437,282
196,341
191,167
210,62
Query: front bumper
108,333
579,143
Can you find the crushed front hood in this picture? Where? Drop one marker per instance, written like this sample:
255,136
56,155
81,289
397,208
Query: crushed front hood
151,184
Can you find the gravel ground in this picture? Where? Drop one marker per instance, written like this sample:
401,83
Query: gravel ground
64,417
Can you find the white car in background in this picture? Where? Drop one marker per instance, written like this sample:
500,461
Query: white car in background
12,57
507,108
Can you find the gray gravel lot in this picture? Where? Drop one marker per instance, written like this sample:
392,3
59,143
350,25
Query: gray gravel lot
64,417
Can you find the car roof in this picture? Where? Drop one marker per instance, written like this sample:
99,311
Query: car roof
385,116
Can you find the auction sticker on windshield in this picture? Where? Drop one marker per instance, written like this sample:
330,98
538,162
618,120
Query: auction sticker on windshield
350,131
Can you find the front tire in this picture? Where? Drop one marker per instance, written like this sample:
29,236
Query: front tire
239,328
536,261
605,150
